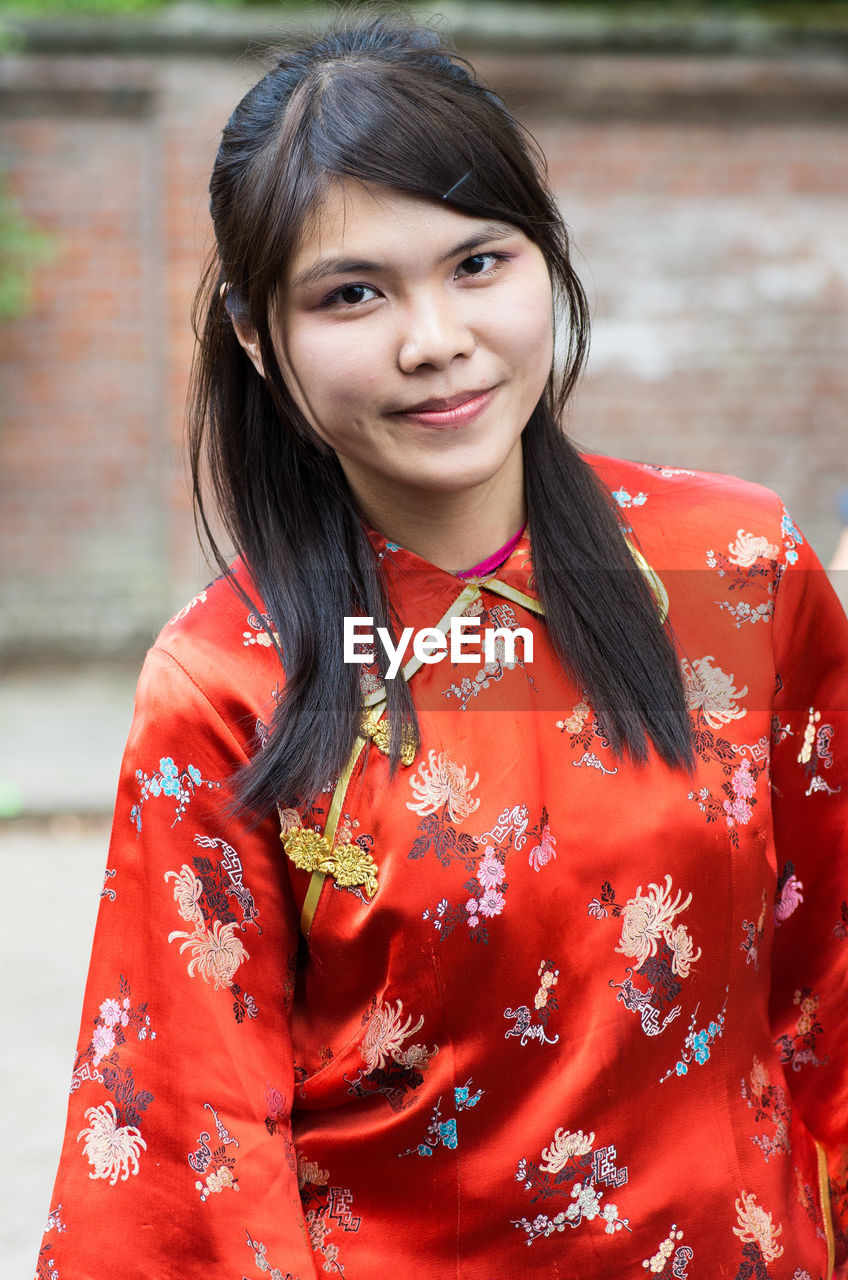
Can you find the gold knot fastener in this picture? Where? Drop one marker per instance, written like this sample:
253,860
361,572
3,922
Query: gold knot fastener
380,734
348,864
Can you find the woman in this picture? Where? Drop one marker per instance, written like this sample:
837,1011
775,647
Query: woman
547,976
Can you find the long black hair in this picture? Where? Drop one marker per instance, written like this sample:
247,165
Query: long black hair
380,99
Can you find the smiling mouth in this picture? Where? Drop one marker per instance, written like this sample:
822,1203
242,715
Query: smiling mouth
451,411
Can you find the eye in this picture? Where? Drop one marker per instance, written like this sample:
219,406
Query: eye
481,264
351,295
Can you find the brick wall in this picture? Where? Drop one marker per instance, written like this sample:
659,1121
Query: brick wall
707,202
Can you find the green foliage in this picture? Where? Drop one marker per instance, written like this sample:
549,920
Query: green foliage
803,13
69,8
22,248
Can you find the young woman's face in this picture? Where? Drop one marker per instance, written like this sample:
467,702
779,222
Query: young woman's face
417,341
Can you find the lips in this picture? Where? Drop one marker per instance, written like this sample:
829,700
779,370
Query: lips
449,402
449,411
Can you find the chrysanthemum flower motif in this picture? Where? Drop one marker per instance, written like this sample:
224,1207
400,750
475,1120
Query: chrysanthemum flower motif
385,1034
748,548
416,1056
712,692
216,952
111,1013
309,1173
648,918
791,897
111,1151
544,850
564,1147
743,781
682,950
756,1226
490,873
103,1042
491,903
444,783
188,890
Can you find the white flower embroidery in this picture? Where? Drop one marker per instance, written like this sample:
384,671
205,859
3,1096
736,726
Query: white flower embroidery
309,1173
682,950
111,1013
384,1037
564,1147
491,872
648,918
491,903
445,783
711,691
544,850
103,1042
748,548
755,1225
112,1152
188,890
216,953
586,1203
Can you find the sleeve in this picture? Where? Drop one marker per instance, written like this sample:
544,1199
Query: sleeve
809,1001
178,1160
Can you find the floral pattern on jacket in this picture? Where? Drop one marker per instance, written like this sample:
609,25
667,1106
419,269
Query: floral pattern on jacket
511,1053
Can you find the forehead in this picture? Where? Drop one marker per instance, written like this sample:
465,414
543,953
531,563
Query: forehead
367,223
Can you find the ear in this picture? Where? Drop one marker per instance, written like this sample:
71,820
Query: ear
245,333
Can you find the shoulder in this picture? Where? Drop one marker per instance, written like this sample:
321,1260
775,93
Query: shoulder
687,515
216,654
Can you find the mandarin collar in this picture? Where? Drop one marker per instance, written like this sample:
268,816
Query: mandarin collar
421,592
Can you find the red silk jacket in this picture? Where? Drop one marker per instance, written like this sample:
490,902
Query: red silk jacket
526,1009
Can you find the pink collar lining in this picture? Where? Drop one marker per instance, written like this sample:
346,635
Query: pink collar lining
494,561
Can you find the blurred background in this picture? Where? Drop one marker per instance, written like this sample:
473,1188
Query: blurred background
700,155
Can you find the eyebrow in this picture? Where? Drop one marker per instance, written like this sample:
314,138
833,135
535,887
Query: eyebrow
324,267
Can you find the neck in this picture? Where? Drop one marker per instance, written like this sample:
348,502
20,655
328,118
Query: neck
452,530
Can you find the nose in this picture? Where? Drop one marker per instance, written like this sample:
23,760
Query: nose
434,333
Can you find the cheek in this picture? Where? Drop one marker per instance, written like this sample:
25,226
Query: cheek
528,331
333,376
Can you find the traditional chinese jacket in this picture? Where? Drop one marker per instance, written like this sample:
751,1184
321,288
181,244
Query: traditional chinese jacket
528,1008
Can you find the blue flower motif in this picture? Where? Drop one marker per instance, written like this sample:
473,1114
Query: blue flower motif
461,1095
713,1030
194,774
424,1150
167,768
447,1132
681,1069
701,1047
789,529
154,787
170,786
